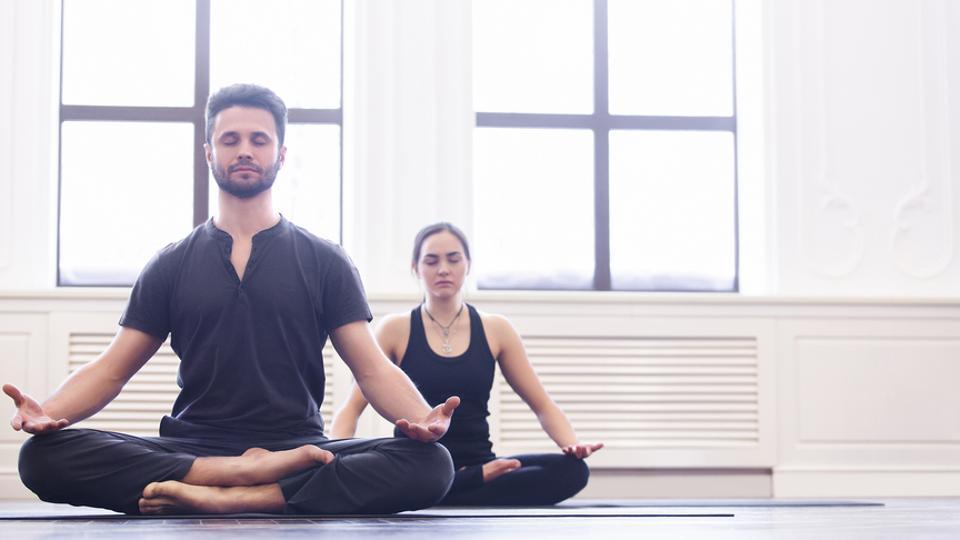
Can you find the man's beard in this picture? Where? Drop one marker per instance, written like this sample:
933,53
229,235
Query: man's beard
245,191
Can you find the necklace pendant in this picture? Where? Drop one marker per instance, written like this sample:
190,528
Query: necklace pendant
446,348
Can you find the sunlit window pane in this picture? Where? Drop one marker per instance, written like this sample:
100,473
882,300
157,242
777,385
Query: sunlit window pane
118,208
533,56
672,210
289,46
671,57
534,208
128,52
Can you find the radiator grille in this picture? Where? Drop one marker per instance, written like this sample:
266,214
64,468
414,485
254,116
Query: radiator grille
641,392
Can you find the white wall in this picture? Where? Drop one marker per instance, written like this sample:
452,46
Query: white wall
28,135
863,125
846,136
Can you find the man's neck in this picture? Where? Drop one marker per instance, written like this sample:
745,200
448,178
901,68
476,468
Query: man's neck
246,217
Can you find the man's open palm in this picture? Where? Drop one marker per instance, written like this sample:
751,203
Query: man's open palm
434,425
30,416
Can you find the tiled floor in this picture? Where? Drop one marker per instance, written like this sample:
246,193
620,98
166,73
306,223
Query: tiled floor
897,519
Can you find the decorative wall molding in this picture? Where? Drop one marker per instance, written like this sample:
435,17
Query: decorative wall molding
830,229
923,233
861,128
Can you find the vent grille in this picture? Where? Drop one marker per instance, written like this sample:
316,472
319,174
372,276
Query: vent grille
151,392
641,392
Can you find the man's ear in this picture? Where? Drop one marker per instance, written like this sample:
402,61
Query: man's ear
208,152
282,158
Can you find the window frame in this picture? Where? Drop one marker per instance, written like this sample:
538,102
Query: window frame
600,123
190,115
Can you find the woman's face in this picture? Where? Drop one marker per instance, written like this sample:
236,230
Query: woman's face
442,266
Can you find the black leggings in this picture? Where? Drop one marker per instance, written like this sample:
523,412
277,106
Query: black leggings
542,479
87,467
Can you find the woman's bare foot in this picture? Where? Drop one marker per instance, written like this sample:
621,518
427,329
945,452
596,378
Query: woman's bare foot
254,467
174,497
499,467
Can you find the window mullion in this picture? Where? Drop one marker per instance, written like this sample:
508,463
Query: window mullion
601,145
201,202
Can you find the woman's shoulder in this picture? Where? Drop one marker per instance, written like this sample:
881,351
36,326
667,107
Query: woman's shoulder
394,322
393,332
494,324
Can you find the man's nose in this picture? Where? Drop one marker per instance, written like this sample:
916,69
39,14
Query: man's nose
244,150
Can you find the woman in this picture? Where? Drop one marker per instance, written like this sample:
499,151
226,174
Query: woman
448,348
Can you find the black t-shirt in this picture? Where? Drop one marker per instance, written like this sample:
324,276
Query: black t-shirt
250,351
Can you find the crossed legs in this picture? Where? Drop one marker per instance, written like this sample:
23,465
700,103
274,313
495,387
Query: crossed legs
164,475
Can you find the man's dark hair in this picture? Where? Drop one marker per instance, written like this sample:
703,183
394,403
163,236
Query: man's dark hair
247,95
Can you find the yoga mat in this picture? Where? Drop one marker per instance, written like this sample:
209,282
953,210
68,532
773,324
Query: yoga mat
569,509
403,516
714,503
54,512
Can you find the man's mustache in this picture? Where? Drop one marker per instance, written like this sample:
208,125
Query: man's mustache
251,166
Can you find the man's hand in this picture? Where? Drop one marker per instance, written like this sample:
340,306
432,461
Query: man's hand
434,425
581,451
30,416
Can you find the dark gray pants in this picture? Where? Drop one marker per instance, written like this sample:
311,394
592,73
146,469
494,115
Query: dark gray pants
87,467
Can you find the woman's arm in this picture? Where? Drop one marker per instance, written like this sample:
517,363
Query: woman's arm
344,423
519,374
388,388
389,335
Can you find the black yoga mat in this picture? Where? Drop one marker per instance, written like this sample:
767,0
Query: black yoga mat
570,509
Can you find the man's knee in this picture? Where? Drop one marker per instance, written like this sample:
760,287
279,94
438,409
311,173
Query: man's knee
431,472
42,467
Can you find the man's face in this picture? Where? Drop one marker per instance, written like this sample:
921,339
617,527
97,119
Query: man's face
244,154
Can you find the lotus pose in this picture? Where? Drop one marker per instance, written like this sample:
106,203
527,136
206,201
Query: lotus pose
448,348
248,299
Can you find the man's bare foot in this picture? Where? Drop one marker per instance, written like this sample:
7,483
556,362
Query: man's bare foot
174,497
499,467
254,467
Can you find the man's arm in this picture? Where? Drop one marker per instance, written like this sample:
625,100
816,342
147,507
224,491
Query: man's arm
88,389
388,388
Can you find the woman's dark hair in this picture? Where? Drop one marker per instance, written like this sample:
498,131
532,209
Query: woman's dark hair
431,230
247,95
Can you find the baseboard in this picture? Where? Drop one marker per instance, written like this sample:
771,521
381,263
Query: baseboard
677,483
866,483
12,488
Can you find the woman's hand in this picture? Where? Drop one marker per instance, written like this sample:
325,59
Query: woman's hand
581,451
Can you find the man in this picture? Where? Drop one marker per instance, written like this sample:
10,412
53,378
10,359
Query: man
248,299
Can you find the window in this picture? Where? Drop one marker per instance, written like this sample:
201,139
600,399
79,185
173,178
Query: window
133,176
604,152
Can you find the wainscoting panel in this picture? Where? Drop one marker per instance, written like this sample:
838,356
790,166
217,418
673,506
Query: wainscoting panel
862,396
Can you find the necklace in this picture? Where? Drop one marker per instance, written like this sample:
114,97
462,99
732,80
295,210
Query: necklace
444,330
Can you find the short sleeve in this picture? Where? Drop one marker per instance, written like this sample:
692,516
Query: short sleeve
148,308
344,300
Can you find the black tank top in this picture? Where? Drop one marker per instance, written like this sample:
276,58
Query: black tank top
469,376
